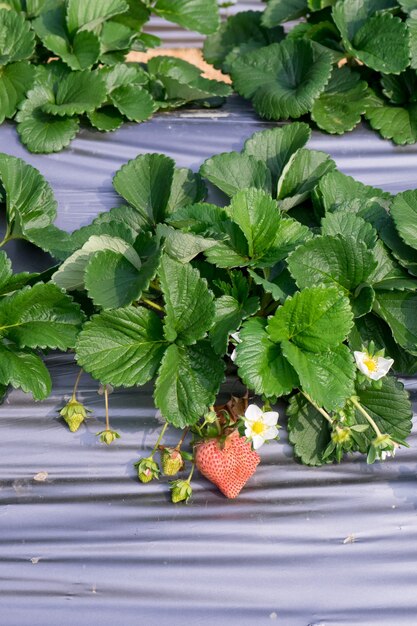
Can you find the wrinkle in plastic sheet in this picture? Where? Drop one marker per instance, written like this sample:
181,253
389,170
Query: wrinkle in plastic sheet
86,543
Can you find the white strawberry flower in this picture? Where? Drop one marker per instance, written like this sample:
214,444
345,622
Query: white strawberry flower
237,339
373,366
260,426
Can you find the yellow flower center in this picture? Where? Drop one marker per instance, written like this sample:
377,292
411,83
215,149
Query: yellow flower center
258,428
371,364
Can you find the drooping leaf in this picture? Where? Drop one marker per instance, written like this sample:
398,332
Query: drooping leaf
233,171
404,213
181,246
262,366
189,304
275,146
283,79
17,41
123,347
199,15
332,260
39,131
308,431
107,118
328,377
301,174
134,102
343,102
15,80
145,182
398,309
188,381
229,314
315,319
40,317
25,370
236,33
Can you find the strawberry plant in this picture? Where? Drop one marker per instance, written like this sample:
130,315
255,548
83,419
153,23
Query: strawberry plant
344,59
62,64
303,285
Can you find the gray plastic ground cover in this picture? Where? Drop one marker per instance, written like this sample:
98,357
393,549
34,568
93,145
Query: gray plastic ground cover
90,545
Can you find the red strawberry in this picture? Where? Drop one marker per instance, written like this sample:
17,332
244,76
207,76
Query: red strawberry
228,466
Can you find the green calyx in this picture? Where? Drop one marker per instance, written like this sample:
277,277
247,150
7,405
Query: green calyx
171,460
74,414
181,491
147,469
108,436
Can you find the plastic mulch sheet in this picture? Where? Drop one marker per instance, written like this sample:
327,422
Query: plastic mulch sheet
82,542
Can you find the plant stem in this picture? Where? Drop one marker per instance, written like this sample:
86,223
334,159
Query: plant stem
158,441
191,474
153,304
318,408
366,416
74,392
181,441
106,401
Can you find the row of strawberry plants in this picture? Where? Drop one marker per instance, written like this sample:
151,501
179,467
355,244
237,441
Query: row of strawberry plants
344,59
303,284
62,63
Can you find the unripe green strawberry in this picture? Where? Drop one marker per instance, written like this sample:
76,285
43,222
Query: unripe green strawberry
181,491
74,413
108,436
147,469
171,460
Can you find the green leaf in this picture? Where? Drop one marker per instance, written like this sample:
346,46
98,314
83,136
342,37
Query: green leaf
181,246
382,44
394,122
279,288
187,188
78,92
236,33
262,366
404,213
308,431
315,319
328,378
106,118
340,107
39,131
332,260
388,273
229,314
278,11
389,406
406,255
17,41
189,304
412,34
399,89
398,309
188,381
10,282
338,192
233,171
134,102
15,80
30,201
25,370
275,146
283,79
83,15
40,317
112,281
145,182
199,15
349,225
70,275
123,347
301,174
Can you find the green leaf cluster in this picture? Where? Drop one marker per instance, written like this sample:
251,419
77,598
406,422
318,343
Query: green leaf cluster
63,64
343,61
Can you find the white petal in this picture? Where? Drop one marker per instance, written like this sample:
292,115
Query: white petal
270,418
270,433
236,337
383,366
383,455
359,358
258,441
248,430
233,356
253,413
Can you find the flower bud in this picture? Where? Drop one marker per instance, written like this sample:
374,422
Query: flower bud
181,491
172,461
108,436
74,413
147,469
341,435
210,417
